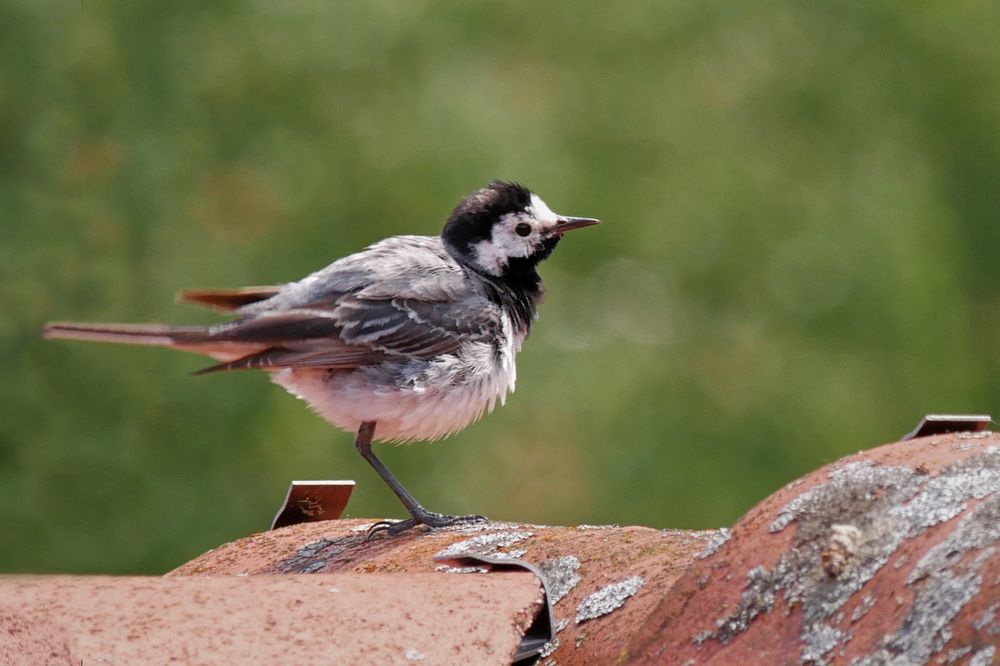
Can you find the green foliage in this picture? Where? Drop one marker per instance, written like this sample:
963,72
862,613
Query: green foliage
798,258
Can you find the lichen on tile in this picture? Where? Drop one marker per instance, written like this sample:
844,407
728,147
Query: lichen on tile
608,599
561,575
484,544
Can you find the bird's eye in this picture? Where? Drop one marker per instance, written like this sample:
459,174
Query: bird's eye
523,229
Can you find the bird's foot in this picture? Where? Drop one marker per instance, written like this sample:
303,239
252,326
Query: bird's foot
429,518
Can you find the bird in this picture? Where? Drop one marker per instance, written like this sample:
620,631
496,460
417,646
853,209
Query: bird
411,339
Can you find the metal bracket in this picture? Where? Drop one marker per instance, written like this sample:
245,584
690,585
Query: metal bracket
938,424
310,501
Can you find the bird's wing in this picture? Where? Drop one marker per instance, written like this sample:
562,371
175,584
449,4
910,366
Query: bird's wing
282,357
403,297
357,332
360,331
416,327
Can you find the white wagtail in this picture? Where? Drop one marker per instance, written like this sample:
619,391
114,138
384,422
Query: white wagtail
413,338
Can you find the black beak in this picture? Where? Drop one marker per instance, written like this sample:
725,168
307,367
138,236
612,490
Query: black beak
566,223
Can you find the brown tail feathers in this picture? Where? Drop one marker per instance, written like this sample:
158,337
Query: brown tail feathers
159,335
226,300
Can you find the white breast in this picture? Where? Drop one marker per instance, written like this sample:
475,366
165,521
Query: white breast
419,400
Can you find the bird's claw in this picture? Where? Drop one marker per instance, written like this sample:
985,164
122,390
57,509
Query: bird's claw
390,527
429,518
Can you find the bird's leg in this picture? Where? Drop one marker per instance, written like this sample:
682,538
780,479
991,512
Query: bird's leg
420,515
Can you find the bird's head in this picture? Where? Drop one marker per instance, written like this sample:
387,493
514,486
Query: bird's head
504,230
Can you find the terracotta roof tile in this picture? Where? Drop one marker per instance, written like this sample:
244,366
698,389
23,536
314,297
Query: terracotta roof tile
336,619
892,552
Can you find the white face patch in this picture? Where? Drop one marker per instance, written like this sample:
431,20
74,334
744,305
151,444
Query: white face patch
493,255
541,212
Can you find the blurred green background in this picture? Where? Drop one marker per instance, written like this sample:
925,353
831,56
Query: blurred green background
799,255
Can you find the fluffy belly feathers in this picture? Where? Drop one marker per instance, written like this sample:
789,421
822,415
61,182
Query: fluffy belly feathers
411,400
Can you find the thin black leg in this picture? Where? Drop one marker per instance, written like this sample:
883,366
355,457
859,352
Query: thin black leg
420,515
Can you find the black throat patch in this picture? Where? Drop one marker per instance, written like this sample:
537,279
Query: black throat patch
519,288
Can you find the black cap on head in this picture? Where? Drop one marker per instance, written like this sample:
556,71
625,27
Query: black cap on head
472,220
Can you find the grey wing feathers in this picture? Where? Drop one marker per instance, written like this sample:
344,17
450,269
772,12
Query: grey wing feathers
280,357
403,297
417,328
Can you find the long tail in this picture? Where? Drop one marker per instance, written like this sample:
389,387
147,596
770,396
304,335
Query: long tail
159,335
